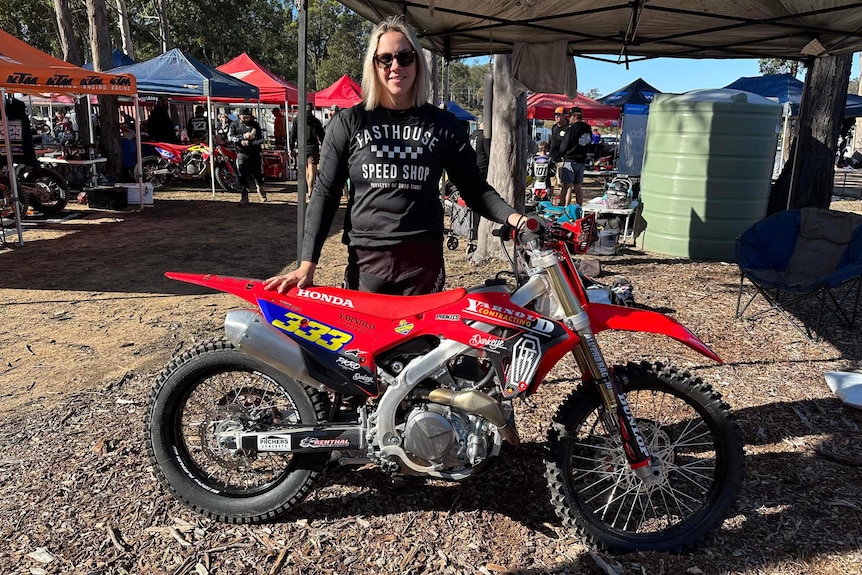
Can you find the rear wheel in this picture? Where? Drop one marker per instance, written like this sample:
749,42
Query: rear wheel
686,427
202,397
46,190
149,165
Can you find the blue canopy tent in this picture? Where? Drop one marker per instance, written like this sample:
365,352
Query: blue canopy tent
634,98
785,88
178,73
460,112
118,57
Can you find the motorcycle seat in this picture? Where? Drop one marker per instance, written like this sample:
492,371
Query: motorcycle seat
396,307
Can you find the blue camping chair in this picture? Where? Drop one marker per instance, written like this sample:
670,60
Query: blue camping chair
798,255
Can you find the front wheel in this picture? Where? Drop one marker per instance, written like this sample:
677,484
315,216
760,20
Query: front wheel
204,396
227,179
686,426
149,166
46,190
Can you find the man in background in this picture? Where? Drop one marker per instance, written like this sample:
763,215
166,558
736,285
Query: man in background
574,148
247,134
313,140
561,122
482,145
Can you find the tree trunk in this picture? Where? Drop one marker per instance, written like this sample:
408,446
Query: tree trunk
125,32
164,28
109,113
807,179
68,44
507,161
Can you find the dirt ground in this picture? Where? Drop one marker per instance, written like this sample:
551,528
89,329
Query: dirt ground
87,319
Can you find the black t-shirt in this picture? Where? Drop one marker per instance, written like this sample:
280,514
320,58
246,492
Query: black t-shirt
394,159
576,141
197,128
557,133
482,147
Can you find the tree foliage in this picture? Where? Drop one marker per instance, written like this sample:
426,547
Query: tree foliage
780,66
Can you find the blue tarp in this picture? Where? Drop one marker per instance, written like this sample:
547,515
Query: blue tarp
460,112
787,88
178,73
119,58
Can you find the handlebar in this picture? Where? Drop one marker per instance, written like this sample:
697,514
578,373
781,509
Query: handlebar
532,227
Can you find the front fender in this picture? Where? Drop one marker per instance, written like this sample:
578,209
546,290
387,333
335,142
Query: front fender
604,316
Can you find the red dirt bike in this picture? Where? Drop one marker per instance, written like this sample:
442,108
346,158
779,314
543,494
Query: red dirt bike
639,457
189,162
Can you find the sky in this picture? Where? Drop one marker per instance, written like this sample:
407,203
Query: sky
674,75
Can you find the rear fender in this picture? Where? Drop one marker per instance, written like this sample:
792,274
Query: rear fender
248,289
605,316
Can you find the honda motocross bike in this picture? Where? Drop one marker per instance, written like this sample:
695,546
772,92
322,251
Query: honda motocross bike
639,457
189,162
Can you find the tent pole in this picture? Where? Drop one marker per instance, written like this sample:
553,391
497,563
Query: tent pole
13,179
301,129
139,176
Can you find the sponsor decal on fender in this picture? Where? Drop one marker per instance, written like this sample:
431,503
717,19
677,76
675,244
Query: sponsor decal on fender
358,322
488,343
363,378
404,327
325,297
447,317
347,363
511,316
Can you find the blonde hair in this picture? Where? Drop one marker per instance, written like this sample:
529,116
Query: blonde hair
372,89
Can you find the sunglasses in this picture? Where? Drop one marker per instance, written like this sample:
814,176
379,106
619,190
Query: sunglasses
406,58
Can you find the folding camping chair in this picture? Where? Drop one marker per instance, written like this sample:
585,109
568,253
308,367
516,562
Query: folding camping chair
803,261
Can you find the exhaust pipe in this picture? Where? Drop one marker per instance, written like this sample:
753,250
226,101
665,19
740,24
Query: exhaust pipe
473,401
250,332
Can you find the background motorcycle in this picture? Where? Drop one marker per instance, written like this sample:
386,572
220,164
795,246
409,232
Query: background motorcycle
189,162
42,188
639,457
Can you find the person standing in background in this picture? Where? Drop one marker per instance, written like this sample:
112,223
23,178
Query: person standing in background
279,128
574,148
160,125
561,123
247,134
482,145
313,140
196,127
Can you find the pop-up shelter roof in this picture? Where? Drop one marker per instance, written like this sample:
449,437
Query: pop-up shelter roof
638,92
273,90
28,70
344,93
460,112
118,58
178,73
786,88
541,107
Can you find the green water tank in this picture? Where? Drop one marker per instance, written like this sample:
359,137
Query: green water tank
707,169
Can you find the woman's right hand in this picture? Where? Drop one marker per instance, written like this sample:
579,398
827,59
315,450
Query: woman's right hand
301,277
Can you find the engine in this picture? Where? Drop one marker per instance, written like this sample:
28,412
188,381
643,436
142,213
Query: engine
193,164
446,437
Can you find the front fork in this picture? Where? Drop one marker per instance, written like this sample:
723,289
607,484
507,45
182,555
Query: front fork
592,364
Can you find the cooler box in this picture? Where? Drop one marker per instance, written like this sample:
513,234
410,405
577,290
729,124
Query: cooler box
275,164
133,195
107,198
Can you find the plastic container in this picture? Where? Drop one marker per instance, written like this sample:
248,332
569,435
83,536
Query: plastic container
707,169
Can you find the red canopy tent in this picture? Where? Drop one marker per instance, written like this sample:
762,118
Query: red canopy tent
273,90
541,107
344,93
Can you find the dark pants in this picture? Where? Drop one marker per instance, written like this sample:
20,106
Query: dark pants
414,267
250,168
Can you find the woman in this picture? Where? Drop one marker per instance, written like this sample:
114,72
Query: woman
394,148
